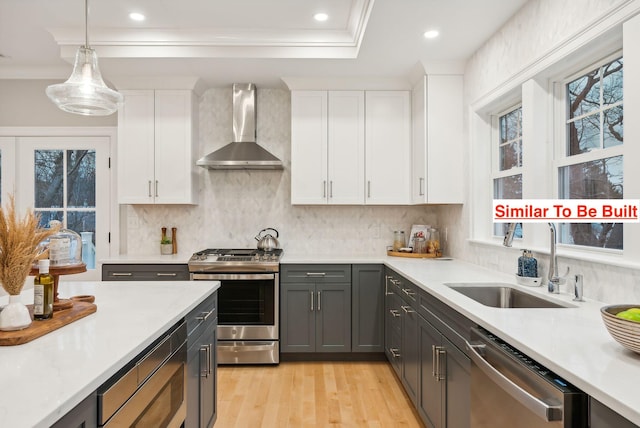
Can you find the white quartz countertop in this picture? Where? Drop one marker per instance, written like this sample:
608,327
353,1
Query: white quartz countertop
573,342
40,381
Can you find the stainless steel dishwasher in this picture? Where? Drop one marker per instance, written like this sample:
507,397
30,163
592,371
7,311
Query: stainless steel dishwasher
509,389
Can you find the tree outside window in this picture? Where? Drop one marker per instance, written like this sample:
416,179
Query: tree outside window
507,181
594,123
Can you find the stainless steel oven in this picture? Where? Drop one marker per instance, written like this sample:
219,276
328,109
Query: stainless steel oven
150,391
248,303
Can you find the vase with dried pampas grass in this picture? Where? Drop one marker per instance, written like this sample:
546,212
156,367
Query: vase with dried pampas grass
19,239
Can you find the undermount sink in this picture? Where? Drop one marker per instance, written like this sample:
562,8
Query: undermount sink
499,295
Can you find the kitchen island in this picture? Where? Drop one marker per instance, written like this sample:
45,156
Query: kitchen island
42,380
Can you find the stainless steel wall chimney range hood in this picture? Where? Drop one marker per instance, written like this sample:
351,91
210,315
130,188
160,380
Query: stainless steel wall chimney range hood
243,152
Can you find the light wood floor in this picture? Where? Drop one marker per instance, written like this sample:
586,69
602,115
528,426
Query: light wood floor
313,394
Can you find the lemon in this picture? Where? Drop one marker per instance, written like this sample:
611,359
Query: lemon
629,315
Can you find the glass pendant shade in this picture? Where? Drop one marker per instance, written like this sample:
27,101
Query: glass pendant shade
85,92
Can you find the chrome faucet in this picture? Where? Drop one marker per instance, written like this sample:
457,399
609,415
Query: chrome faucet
554,279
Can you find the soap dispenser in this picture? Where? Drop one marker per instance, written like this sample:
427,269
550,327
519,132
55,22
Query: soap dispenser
527,265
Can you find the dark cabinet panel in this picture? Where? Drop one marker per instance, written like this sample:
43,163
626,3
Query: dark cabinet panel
432,385
367,317
84,415
297,318
333,318
201,364
145,272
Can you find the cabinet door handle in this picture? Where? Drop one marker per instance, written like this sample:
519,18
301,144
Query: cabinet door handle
421,186
395,352
324,189
368,188
150,188
311,294
205,369
319,299
156,188
438,352
166,274
121,274
204,315
394,312
331,189
407,309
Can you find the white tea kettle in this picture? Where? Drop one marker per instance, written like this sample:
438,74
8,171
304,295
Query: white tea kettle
267,242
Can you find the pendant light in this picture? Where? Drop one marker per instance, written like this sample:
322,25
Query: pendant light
85,92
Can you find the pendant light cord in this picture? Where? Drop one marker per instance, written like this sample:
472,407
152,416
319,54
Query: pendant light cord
86,25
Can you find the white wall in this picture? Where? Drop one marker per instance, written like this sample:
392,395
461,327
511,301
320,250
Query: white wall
24,103
235,205
537,32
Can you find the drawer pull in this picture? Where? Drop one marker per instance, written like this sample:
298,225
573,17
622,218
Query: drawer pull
395,352
166,274
121,274
395,313
316,274
408,292
204,315
407,309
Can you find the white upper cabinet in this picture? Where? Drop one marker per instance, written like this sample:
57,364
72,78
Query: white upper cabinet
388,147
157,142
342,140
436,156
327,150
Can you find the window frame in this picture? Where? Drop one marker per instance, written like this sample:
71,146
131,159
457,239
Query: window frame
562,159
496,172
111,241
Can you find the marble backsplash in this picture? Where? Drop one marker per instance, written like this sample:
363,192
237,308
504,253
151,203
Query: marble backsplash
235,205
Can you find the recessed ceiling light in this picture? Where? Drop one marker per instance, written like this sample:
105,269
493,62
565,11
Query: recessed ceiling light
321,16
136,16
431,34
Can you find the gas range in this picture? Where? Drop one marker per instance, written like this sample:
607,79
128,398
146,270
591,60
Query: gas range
235,260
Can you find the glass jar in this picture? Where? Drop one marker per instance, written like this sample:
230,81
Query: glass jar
65,247
419,245
399,240
433,244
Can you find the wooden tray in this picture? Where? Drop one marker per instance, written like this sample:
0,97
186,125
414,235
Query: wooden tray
40,328
413,255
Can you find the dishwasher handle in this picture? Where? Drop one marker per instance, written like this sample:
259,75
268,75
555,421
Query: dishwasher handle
536,405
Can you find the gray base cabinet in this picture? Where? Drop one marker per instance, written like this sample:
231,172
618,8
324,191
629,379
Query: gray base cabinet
315,308
601,416
422,342
201,365
367,316
84,415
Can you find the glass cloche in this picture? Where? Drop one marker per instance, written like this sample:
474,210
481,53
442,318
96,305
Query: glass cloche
65,246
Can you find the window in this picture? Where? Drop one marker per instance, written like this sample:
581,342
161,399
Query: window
591,166
67,179
507,175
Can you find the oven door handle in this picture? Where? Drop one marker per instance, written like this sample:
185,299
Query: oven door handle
231,276
536,405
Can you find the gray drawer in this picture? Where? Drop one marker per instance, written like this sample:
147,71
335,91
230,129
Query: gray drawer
145,272
315,273
202,315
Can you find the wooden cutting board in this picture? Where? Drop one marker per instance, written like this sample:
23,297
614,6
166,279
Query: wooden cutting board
412,255
40,328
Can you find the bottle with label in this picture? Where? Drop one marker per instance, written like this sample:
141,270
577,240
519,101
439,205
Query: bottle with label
43,292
